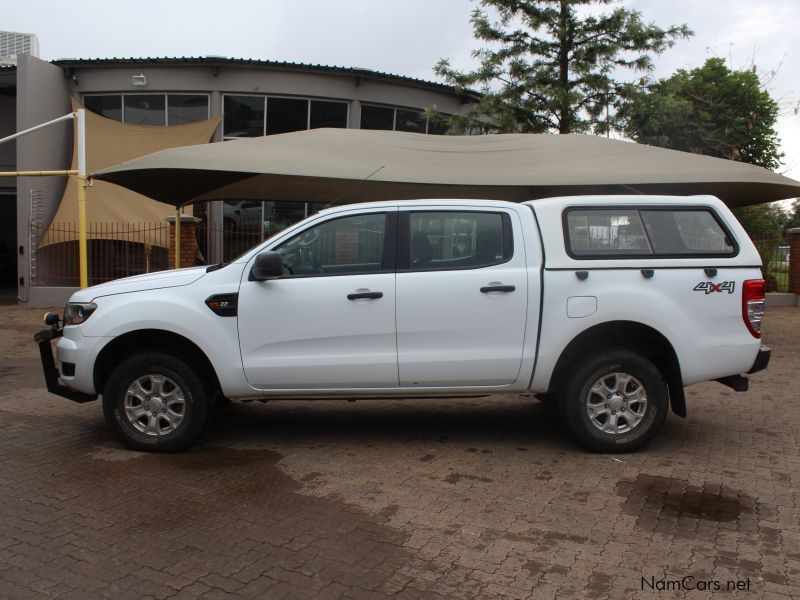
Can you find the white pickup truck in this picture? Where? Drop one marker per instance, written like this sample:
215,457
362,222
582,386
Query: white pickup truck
603,306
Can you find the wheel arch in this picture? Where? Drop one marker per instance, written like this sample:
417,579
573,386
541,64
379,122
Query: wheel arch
160,340
633,336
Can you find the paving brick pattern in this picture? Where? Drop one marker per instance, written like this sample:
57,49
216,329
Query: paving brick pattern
460,498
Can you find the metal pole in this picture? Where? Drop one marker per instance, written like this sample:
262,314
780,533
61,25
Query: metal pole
80,115
177,238
82,183
38,173
37,128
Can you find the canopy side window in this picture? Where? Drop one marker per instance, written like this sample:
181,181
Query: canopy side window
659,232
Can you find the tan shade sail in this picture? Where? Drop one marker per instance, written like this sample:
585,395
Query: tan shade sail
110,142
352,165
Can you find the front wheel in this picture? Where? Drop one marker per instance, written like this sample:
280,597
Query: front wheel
615,402
156,402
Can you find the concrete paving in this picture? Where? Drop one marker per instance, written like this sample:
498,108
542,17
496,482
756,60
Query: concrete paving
469,498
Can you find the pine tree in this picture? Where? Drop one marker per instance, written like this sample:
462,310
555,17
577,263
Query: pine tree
551,65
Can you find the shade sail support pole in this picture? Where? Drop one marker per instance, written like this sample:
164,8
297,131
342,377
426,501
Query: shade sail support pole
64,173
83,255
36,128
177,238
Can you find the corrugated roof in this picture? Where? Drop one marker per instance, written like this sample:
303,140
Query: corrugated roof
269,64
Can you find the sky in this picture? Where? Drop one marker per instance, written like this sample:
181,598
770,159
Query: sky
404,38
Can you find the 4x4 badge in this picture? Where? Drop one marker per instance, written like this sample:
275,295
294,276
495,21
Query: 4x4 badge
709,287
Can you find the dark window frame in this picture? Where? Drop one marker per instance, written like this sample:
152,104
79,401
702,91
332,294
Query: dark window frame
388,258
654,255
403,252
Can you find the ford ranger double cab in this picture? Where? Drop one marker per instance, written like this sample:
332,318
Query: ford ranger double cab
604,307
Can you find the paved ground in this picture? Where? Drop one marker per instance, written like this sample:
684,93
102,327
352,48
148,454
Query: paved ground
440,499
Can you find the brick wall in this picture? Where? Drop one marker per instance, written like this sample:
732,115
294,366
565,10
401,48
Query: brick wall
794,259
189,248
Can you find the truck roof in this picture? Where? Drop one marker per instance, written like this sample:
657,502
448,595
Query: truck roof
588,199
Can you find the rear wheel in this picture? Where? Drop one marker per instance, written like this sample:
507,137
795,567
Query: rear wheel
156,402
615,402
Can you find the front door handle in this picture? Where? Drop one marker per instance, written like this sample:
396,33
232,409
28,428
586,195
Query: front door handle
497,288
369,295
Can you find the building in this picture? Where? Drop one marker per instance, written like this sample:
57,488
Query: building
13,44
252,97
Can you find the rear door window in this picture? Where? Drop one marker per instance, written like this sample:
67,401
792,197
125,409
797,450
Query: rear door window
449,240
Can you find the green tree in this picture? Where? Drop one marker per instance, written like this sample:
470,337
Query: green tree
551,64
709,110
793,219
716,111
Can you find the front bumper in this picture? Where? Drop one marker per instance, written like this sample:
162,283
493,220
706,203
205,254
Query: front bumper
43,339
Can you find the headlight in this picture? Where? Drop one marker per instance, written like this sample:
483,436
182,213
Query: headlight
77,312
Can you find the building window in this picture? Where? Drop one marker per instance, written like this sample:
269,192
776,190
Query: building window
107,106
145,109
150,109
285,115
244,116
250,116
186,108
324,113
399,119
377,117
410,120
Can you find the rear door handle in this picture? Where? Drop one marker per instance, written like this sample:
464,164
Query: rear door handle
497,288
369,295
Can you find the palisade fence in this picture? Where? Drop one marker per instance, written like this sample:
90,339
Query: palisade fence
118,250
114,250
236,239
774,251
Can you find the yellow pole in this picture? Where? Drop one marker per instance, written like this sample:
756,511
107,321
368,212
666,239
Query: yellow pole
82,249
37,173
80,122
177,238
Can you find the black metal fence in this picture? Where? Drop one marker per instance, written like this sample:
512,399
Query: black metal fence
114,250
775,257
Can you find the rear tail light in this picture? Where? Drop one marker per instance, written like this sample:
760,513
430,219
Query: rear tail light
753,305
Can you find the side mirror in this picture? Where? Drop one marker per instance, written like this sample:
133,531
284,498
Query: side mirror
268,265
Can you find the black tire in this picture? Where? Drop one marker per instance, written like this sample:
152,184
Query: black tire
193,399
643,418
